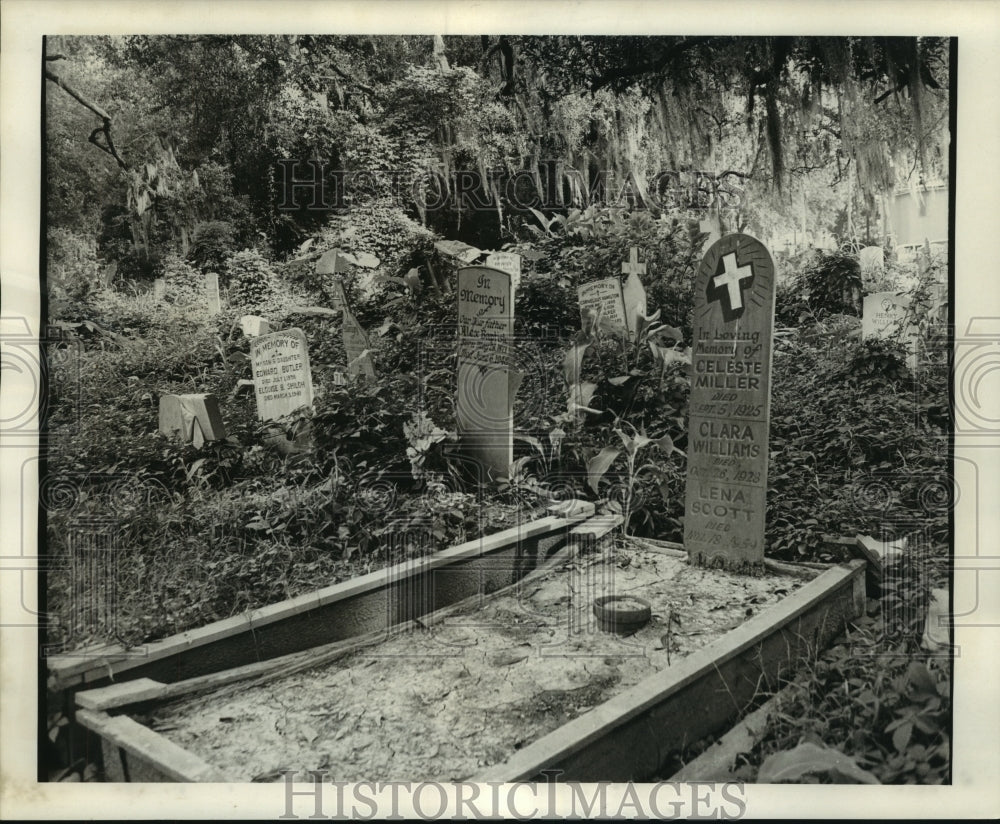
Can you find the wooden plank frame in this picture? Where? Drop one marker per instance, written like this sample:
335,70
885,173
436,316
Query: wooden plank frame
628,737
364,604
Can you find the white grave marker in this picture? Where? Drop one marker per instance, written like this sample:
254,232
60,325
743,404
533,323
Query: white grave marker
509,262
191,418
281,374
356,343
212,292
331,263
872,259
606,297
884,315
633,292
254,326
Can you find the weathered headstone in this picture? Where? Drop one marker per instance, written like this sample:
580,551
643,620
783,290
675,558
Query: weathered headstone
212,293
509,262
334,263
339,298
359,360
885,315
730,404
159,289
484,407
191,418
604,296
455,248
633,292
254,326
331,263
282,378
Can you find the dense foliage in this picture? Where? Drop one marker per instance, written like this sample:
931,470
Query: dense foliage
560,141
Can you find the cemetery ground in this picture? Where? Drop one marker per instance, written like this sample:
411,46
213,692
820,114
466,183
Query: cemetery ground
370,471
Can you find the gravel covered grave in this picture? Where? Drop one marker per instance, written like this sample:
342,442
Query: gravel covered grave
466,692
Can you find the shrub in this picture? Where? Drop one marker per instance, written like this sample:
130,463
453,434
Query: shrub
851,428
73,273
251,281
185,285
382,229
212,245
833,285
592,244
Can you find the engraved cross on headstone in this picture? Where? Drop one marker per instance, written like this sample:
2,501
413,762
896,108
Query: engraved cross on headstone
732,279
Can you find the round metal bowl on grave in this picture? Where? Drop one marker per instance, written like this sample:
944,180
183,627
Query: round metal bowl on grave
622,614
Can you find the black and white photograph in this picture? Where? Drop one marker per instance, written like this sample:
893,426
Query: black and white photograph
433,410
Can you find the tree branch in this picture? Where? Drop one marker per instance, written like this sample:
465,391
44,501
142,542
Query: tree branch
350,79
648,67
105,128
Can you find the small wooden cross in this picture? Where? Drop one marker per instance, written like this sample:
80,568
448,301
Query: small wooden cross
633,267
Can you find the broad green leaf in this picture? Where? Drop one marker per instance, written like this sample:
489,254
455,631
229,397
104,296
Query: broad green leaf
194,468
808,758
667,332
637,443
574,358
582,393
666,443
668,356
599,465
533,441
901,737
546,223
921,679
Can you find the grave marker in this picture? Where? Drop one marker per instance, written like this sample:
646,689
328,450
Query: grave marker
282,379
212,291
338,297
725,499
632,265
191,418
633,292
509,262
484,407
872,259
334,263
331,263
359,361
605,296
159,289
254,326
884,315
455,248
